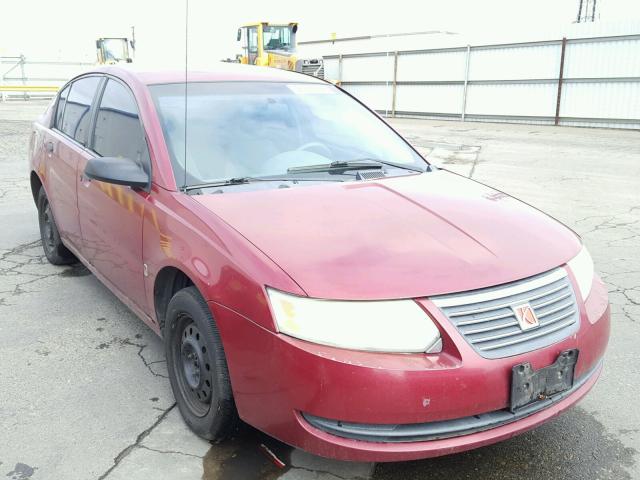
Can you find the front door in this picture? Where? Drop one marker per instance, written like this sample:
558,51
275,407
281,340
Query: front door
111,215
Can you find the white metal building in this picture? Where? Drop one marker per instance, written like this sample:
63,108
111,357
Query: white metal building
587,76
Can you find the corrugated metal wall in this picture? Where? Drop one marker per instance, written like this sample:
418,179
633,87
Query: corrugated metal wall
518,82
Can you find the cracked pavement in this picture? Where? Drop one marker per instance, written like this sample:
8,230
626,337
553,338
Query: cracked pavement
83,387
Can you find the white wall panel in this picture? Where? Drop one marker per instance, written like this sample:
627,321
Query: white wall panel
601,100
512,99
331,68
619,58
431,66
509,63
377,97
359,69
429,98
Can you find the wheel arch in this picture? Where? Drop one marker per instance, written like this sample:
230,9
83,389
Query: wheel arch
169,280
36,184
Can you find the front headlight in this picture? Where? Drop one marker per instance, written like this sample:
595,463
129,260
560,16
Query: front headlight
381,326
582,267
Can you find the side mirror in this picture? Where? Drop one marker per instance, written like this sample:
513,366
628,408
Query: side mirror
239,34
119,171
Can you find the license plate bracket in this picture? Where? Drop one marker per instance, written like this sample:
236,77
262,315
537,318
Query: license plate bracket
529,386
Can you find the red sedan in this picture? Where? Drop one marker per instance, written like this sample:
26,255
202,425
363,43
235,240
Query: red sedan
309,272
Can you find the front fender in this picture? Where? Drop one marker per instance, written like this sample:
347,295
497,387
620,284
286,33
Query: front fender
225,267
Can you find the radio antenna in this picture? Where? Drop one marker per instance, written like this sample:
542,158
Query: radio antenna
186,70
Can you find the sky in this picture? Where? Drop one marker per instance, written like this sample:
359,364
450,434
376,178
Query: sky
67,29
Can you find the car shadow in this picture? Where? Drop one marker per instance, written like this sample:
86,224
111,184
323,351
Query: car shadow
573,446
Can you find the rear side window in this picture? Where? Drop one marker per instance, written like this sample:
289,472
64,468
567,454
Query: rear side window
118,131
60,108
77,111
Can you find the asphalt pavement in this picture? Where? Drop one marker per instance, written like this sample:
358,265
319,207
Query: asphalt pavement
83,386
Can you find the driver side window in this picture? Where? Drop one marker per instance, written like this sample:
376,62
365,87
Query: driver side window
118,131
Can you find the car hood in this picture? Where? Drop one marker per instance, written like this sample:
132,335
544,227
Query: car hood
401,237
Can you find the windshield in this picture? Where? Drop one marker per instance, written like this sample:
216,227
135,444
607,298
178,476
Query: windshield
277,38
254,129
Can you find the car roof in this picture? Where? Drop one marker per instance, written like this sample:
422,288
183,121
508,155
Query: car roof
217,72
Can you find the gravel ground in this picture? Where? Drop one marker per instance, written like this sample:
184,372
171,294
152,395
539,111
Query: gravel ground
83,388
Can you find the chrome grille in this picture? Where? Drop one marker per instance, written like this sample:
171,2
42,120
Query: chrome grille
486,318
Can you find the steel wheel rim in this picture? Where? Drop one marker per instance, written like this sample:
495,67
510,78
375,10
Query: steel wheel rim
192,366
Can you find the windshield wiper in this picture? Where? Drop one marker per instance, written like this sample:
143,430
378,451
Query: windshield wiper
244,180
393,164
358,164
337,165
221,183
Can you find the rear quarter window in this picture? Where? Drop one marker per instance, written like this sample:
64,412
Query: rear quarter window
62,99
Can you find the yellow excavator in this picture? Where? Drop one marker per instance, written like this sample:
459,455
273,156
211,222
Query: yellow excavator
274,45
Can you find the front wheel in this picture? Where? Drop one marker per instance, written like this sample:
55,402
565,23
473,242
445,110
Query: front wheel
197,366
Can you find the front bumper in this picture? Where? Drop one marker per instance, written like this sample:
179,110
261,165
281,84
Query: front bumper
277,380
438,430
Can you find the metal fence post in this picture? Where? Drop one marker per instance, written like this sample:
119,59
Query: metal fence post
395,84
340,69
23,76
466,83
2,92
560,77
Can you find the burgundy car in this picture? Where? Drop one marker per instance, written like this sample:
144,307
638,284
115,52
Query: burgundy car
309,272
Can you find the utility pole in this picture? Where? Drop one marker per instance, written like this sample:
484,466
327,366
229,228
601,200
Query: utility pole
586,11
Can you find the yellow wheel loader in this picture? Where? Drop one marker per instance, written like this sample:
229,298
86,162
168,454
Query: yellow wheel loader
115,50
274,45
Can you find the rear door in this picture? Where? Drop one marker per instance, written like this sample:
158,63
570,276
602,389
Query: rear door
111,215
64,147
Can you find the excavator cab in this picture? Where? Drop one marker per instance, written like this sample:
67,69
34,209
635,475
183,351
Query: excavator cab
113,50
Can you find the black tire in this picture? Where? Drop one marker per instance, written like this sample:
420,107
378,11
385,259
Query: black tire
54,250
197,366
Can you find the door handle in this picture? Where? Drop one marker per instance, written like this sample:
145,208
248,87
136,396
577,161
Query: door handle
48,146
